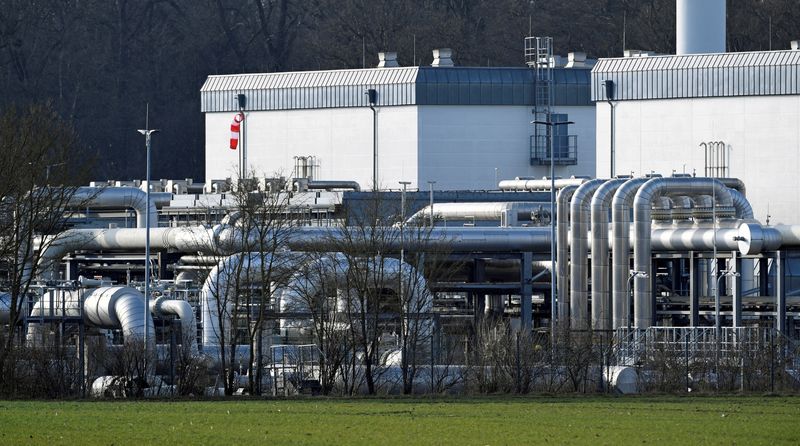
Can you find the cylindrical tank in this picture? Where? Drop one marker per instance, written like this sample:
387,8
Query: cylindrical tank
699,26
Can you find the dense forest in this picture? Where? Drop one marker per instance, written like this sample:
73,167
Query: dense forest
98,62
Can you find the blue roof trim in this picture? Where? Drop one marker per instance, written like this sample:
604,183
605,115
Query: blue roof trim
395,86
699,75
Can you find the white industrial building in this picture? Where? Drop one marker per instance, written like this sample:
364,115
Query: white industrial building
462,127
729,114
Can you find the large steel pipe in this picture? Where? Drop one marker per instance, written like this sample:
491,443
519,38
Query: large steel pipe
562,251
642,221
601,271
621,246
579,253
117,198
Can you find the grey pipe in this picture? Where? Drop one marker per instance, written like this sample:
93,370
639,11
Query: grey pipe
333,184
53,303
579,253
601,271
734,183
119,307
642,221
743,208
562,250
620,229
184,312
115,198
526,184
508,212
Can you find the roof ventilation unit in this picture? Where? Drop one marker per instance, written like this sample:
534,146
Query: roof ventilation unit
387,60
442,57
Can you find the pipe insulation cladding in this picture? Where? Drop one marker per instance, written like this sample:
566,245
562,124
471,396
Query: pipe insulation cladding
699,26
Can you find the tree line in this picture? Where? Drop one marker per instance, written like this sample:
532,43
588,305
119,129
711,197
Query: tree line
97,63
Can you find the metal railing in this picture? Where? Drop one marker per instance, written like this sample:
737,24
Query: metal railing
565,149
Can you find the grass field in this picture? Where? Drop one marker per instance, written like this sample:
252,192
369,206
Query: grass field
486,421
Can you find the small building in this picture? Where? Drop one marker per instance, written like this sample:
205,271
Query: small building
462,127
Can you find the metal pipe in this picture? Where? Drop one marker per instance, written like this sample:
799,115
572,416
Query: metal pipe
579,252
601,297
510,212
183,310
528,184
115,198
620,229
562,255
333,184
120,307
642,220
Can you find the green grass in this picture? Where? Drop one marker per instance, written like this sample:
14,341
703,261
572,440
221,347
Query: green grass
486,421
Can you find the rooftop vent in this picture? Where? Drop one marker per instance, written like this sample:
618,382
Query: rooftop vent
576,59
795,44
442,57
387,60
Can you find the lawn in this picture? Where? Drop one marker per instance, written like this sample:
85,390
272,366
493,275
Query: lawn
485,421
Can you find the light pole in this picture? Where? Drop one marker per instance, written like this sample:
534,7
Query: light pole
402,233
430,199
609,85
372,97
147,136
553,292
632,274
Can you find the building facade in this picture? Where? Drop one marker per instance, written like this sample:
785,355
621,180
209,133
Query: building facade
728,114
462,127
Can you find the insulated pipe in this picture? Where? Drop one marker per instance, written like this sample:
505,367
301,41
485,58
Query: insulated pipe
218,292
743,208
562,253
579,252
601,272
116,197
539,184
119,307
185,239
734,183
620,229
516,210
642,221
311,279
332,184
184,312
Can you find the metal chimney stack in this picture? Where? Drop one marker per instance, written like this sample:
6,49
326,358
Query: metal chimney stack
700,26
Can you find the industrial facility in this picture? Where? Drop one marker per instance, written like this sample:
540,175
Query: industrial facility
370,229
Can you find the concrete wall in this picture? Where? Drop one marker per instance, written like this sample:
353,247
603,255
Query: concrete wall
761,133
461,146
341,139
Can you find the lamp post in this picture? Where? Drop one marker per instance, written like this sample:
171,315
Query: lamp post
147,137
372,97
632,274
430,199
609,85
402,233
553,292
